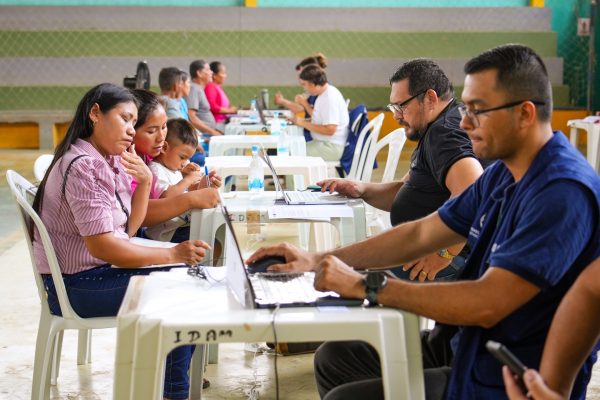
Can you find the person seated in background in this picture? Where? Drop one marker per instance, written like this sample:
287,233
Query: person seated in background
174,85
303,102
198,107
86,203
329,122
443,164
218,100
521,262
573,336
186,86
151,130
175,175
170,83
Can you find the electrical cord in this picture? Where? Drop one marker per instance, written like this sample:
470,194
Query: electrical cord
275,342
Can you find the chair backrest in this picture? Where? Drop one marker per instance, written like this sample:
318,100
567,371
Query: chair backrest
40,166
358,118
21,190
395,140
367,140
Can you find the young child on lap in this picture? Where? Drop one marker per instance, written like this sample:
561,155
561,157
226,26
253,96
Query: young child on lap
176,175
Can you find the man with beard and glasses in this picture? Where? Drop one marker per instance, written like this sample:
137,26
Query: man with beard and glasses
442,165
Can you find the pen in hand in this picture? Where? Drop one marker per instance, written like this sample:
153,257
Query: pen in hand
206,174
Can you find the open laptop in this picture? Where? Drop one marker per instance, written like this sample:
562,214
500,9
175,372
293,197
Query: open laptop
300,197
260,108
272,289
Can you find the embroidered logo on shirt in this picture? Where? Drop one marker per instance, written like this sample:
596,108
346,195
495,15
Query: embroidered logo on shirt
474,232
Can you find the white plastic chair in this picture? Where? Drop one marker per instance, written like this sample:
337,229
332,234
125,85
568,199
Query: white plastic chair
379,220
362,148
50,331
395,140
40,166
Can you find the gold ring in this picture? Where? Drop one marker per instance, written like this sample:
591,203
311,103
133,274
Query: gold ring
423,272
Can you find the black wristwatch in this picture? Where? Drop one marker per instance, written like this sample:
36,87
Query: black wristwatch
374,282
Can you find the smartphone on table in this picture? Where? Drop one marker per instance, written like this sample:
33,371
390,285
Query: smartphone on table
507,358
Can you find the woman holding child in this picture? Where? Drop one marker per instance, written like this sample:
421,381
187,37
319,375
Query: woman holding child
86,202
149,140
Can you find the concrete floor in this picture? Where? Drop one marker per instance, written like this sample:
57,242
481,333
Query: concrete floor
238,375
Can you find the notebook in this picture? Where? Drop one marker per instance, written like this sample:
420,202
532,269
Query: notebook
300,197
269,289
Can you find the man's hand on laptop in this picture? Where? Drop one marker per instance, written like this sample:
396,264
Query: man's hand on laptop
297,260
344,187
333,274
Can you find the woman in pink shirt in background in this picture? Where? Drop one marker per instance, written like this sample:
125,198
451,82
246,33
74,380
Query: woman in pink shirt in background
218,100
86,203
151,131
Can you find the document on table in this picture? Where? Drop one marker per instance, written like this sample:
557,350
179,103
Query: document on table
152,243
310,212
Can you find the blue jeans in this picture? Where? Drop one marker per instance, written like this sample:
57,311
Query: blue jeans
450,273
98,292
198,158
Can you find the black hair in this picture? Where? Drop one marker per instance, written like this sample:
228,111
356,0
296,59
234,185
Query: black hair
215,66
317,58
521,73
181,130
314,74
183,76
148,102
424,74
168,77
107,96
196,66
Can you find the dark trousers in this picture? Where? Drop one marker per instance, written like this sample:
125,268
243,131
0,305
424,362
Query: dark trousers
351,370
98,292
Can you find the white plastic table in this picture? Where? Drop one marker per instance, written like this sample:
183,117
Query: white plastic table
169,309
206,222
593,138
219,145
240,129
306,170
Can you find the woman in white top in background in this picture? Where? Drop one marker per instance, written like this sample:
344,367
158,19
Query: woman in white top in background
329,122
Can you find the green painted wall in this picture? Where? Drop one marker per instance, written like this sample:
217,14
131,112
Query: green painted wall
572,48
265,44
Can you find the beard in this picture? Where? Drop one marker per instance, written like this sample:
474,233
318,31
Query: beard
415,133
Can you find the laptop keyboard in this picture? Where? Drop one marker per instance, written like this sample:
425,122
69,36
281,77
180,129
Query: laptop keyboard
278,288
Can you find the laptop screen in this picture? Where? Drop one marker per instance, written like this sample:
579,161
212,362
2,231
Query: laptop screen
260,107
236,274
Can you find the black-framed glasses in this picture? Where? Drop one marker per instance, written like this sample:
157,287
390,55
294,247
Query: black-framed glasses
472,114
400,107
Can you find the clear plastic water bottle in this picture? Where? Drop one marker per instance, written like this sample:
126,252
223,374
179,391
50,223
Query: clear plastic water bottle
256,177
283,142
253,111
275,124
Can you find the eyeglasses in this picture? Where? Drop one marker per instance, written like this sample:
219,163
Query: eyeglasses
400,107
472,114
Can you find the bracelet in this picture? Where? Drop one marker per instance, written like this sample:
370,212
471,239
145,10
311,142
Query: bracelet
444,253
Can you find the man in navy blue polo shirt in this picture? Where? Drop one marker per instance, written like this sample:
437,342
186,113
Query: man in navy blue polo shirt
532,221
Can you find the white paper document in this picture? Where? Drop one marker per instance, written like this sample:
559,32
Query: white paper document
310,212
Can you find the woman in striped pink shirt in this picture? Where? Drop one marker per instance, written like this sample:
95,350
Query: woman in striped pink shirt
86,203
